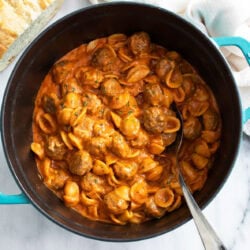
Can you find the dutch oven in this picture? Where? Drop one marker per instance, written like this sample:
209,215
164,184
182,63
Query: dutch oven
82,26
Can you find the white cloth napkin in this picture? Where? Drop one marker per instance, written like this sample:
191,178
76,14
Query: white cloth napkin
217,18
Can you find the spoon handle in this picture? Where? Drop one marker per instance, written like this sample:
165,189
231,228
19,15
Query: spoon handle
208,236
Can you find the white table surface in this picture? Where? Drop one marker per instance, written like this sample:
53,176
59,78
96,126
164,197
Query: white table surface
22,227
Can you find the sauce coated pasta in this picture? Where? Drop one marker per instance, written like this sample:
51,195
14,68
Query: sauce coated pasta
103,127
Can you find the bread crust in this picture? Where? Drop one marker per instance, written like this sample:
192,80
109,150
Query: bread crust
15,19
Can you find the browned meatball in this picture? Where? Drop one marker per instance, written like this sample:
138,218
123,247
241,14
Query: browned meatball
98,146
61,70
119,145
80,162
91,182
162,68
115,203
111,87
139,43
56,178
125,170
103,57
153,94
70,85
55,148
154,119
91,77
192,128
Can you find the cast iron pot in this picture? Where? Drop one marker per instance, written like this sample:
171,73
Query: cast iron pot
165,28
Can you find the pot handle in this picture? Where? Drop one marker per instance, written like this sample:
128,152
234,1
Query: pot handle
246,115
244,46
13,199
240,42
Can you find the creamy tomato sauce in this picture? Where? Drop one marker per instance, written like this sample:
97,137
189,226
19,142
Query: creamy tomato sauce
103,124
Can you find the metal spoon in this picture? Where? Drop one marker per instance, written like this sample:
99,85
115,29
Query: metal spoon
208,236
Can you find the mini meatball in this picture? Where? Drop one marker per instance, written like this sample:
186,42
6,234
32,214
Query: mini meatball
104,58
111,87
55,148
98,146
85,129
139,43
119,145
91,77
56,178
80,162
70,85
91,182
102,128
115,203
61,70
192,128
154,119
153,94
125,170
162,68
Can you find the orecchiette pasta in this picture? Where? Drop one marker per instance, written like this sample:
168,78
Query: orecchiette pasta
71,193
103,124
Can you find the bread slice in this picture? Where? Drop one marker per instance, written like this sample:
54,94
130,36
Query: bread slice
20,22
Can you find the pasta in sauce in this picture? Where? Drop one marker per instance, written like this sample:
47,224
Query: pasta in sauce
103,119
